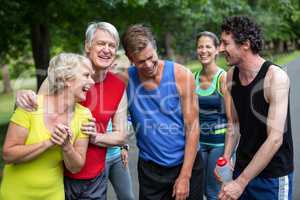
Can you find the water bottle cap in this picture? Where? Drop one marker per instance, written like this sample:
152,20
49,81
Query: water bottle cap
221,161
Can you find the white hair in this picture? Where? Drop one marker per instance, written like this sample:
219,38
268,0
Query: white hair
63,67
105,26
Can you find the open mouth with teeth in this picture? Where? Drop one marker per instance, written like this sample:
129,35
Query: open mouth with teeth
86,88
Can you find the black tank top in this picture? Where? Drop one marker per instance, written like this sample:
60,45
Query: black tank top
252,110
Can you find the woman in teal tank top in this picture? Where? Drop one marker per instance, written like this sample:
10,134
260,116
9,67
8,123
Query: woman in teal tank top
213,104
117,169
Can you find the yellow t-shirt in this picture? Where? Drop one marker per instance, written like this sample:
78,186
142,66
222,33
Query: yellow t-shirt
42,177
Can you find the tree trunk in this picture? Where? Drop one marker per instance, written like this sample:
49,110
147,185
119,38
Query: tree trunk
6,79
285,47
168,44
40,41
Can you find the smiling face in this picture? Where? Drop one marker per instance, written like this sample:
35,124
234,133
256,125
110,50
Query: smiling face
102,50
231,50
146,61
82,82
206,50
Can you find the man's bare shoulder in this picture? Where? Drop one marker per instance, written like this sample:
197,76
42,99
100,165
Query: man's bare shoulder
182,72
229,74
184,79
229,77
277,75
123,75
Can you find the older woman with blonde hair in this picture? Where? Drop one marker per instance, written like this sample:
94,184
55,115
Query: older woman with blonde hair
39,144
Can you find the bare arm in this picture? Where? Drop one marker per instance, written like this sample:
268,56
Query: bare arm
232,134
118,135
15,150
74,156
277,94
186,87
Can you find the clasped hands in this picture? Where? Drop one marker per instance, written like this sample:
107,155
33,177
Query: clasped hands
62,135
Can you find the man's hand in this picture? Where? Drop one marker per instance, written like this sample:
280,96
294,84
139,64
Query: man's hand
26,99
90,129
231,191
181,188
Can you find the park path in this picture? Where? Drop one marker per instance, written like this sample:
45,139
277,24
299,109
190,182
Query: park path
293,70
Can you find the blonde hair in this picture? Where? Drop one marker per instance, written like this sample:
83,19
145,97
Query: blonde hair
63,67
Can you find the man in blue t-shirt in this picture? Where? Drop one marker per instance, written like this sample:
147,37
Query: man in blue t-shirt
164,111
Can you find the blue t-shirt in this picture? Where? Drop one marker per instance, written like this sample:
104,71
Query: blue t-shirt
157,118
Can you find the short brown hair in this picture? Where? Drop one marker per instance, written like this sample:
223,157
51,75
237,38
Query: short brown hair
136,38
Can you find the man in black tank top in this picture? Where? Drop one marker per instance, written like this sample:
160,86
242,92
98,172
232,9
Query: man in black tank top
260,93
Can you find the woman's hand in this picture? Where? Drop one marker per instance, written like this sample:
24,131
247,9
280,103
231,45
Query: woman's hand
62,136
124,157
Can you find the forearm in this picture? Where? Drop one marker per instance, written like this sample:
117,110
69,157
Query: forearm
260,160
73,160
23,153
190,152
115,138
231,140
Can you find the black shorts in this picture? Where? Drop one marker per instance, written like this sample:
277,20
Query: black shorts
156,181
90,189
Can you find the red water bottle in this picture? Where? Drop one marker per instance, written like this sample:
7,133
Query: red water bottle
223,170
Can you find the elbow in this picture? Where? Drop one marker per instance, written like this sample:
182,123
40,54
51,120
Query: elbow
121,139
6,157
75,169
277,142
230,134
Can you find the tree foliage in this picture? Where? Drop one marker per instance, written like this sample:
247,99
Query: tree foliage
175,23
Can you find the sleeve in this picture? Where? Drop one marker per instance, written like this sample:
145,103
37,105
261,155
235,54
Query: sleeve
84,117
21,117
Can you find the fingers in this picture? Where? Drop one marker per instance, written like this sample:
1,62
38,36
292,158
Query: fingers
180,190
89,131
27,100
92,120
89,128
61,135
32,98
124,158
57,138
218,178
221,193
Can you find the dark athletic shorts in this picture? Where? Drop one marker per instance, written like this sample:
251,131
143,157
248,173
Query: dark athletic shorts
156,181
90,189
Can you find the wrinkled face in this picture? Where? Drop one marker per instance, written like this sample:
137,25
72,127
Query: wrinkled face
102,50
82,82
146,61
230,49
206,50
